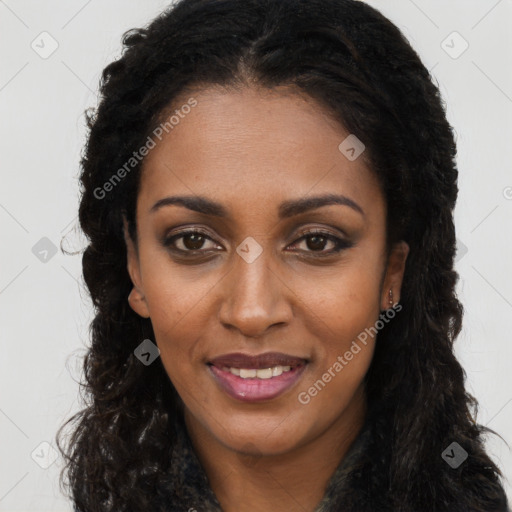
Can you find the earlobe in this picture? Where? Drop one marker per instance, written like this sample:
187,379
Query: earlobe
394,275
138,303
136,297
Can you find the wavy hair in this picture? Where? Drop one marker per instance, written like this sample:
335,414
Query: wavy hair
358,65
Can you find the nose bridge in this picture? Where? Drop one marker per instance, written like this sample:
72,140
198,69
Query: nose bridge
254,298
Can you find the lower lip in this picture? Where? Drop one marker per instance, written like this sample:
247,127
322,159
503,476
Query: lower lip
256,390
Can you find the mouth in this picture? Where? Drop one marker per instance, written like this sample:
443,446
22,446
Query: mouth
257,378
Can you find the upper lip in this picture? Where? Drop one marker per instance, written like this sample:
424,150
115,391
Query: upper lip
265,360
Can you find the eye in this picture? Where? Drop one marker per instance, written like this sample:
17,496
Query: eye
191,240
316,240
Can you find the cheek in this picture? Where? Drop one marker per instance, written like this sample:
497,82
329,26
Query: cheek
347,302
343,314
174,294
176,333
344,350
175,316
173,305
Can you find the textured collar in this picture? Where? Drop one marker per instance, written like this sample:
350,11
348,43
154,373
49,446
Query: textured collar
186,486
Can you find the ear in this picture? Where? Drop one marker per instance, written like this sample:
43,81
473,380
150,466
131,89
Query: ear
136,298
394,275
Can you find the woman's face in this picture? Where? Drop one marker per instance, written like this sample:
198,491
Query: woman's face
255,167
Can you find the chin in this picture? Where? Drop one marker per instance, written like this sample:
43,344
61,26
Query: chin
262,434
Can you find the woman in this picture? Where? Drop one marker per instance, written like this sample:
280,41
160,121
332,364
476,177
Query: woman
268,189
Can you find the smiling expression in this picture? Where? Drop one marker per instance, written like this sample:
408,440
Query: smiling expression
256,235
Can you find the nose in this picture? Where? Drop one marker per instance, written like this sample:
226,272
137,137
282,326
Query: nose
255,297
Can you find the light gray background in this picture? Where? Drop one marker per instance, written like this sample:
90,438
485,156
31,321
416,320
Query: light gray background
44,309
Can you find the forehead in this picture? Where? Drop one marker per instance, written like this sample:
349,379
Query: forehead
259,144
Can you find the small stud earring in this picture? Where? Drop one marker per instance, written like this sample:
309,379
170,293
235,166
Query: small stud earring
390,297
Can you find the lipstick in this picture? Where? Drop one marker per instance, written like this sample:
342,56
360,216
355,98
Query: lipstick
256,378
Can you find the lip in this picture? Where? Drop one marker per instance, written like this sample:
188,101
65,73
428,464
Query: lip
257,362
254,389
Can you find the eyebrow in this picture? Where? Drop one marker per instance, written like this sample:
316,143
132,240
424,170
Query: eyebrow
287,209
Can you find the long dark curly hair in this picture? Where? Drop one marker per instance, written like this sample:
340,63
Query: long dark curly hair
352,60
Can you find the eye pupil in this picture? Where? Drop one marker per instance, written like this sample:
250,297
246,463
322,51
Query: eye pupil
196,239
316,245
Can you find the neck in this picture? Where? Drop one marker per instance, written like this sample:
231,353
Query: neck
295,481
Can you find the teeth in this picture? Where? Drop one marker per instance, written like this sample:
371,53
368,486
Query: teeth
248,374
263,373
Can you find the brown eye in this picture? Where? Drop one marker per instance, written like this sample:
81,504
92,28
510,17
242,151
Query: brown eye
316,241
193,241
188,241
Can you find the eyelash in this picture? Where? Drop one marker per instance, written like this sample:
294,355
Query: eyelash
340,244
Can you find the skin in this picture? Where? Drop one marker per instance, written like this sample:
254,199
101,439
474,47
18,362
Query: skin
250,150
